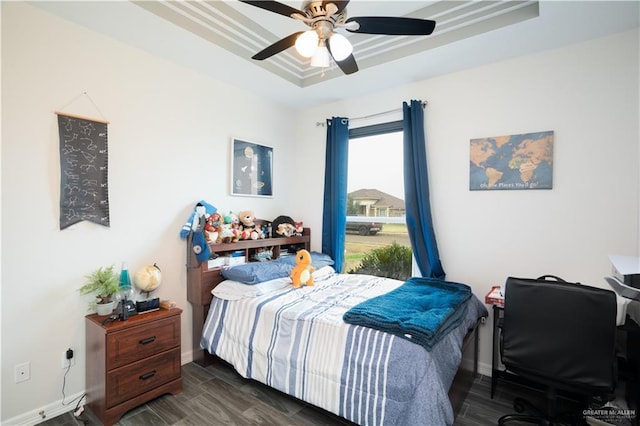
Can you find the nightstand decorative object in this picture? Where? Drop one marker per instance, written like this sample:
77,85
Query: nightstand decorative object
131,362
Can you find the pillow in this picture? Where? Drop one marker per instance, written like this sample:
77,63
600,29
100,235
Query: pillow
323,273
318,260
234,290
257,272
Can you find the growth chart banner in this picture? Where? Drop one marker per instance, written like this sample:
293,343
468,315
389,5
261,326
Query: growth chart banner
84,191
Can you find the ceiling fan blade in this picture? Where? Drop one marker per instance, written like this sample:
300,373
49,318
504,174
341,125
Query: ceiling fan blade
277,47
347,65
274,6
340,4
392,25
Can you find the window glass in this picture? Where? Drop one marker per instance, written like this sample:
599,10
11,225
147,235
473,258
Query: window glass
376,241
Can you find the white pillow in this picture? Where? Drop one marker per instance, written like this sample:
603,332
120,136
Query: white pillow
323,273
234,290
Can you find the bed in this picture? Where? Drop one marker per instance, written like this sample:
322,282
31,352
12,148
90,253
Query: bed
297,341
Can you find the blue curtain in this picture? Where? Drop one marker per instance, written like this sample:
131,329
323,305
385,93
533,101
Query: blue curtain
416,192
334,220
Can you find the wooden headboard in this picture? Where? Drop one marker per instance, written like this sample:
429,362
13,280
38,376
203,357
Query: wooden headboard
202,279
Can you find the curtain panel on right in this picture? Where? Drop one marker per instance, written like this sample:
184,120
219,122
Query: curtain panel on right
416,191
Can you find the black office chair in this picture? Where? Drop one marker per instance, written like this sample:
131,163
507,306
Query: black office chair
562,337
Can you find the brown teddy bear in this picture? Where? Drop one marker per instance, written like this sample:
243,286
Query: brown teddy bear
247,220
302,273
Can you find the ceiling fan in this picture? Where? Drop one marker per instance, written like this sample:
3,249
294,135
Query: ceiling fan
322,42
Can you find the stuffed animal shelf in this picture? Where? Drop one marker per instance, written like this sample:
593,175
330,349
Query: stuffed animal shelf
302,272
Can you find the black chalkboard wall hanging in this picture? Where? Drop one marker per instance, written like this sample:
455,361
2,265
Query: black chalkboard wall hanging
84,190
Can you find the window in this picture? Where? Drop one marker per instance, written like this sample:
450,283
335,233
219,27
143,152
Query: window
375,200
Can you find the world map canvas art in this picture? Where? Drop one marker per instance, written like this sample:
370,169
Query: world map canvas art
512,162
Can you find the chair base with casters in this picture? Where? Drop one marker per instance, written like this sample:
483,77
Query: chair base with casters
529,413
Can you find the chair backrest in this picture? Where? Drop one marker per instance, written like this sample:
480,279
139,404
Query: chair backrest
562,333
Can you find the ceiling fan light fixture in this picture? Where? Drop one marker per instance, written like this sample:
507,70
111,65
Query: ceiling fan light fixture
321,57
307,43
340,47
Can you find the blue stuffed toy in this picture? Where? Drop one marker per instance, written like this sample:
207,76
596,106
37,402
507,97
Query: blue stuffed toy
193,222
195,226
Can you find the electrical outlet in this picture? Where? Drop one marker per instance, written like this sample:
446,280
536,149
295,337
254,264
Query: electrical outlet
68,362
22,372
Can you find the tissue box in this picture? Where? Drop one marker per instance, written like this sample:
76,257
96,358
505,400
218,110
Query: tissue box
235,260
218,262
494,297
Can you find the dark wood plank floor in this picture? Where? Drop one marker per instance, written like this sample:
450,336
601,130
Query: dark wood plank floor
217,395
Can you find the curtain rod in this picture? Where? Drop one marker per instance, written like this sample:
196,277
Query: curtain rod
377,114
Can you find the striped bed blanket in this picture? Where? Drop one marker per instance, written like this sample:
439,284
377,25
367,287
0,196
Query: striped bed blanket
296,341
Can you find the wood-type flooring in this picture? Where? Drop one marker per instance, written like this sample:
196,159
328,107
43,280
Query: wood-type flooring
217,395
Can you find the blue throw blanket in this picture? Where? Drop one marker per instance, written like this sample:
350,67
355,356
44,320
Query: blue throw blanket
422,310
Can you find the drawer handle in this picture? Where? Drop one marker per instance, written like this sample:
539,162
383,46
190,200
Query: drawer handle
148,375
147,340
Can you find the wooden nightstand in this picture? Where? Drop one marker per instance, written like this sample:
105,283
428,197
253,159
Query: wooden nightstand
131,362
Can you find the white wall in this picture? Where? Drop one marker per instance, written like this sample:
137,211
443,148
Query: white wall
588,95
168,146
169,138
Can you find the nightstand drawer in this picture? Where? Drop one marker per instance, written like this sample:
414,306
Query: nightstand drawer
128,346
135,379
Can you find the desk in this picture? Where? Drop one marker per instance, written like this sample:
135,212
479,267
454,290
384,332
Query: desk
629,358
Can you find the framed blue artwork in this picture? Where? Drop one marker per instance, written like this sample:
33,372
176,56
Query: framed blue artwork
251,169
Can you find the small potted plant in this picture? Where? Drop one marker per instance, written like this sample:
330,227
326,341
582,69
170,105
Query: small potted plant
104,283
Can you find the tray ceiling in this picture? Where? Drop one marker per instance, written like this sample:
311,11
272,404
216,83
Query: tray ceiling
217,38
244,30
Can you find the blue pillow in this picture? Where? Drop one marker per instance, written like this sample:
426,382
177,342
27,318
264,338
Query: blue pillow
318,260
257,272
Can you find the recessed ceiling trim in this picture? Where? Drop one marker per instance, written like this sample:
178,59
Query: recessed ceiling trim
258,36
496,16
481,11
452,36
284,66
224,25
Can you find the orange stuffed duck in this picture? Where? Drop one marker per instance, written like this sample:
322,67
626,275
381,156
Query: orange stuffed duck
302,272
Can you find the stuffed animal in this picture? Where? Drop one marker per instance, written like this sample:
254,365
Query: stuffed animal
246,219
231,218
297,229
212,228
285,230
280,226
194,220
199,243
229,233
302,272
229,229
258,232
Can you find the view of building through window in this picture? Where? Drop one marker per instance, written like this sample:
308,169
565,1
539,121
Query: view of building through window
375,205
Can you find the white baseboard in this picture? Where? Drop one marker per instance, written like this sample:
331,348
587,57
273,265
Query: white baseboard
50,411
186,357
33,417
483,368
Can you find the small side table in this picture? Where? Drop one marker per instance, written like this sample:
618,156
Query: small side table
131,362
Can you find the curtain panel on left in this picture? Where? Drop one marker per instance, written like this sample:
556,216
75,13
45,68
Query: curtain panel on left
334,213
84,190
